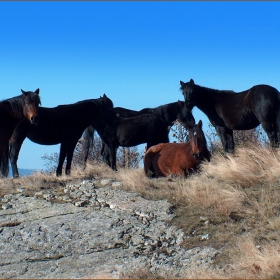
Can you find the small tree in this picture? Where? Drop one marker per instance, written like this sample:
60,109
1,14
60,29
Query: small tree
51,162
179,132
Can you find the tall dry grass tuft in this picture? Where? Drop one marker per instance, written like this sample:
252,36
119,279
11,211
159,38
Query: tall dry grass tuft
252,260
209,193
246,167
159,188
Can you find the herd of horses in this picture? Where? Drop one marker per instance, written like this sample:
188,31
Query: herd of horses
22,116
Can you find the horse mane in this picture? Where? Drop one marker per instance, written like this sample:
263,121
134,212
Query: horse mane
160,110
206,151
98,101
216,91
13,106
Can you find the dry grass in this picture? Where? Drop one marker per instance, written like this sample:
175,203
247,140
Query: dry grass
235,199
247,167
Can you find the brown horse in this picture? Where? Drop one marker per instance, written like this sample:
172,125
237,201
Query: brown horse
177,158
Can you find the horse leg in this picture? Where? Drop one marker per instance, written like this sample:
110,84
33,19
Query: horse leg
105,154
271,131
5,162
62,156
4,158
70,153
226,136
14,152
112,156
230,141
88,141
15,144
278,129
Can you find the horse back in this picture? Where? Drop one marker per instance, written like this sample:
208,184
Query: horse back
126,113
55,124
170,158
156,148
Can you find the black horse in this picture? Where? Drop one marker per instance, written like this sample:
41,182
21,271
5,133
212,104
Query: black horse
131,128
62,124
12,112
228,110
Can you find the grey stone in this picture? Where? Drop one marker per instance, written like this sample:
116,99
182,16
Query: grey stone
114,234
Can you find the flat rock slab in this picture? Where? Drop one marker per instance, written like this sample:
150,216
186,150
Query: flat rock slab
92,232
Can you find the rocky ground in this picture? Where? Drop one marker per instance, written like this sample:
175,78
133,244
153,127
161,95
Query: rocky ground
84,231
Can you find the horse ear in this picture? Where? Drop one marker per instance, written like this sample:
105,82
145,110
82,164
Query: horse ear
37,91
24,92
104,95
182,83
200,124
192,82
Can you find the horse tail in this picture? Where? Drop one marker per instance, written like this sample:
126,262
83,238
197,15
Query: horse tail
149,170
278,121
5,162
88,141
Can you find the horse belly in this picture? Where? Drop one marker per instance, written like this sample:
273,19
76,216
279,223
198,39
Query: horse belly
47,136
241,121
129,137
161,165
130,140
173,162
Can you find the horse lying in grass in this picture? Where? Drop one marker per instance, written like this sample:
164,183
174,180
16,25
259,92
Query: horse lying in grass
179,159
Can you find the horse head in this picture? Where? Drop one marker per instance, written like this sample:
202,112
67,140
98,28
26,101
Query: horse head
188,90
107,109
107,101
184,114
197,140
30,104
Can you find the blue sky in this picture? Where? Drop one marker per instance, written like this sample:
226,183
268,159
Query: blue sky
135,52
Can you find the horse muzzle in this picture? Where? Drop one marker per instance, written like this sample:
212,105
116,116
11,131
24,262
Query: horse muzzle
34,120
197,156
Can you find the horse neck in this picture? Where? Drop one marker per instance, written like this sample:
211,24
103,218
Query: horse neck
100,126
205,152
201,141
206,98
13,108
168,112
